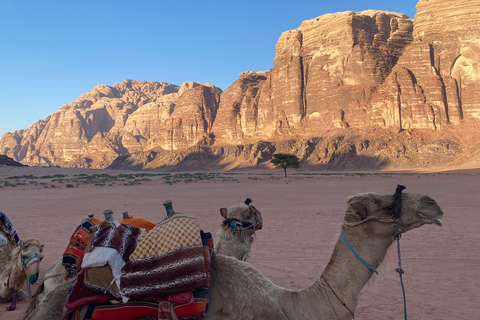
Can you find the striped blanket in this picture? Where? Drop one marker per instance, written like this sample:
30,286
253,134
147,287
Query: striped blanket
168,260
72,256
110,247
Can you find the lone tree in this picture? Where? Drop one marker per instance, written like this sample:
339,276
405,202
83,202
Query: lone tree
285,160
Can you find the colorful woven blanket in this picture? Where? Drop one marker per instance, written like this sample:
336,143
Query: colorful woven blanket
122,238
168,260
9,231
73,254
84,304
110,247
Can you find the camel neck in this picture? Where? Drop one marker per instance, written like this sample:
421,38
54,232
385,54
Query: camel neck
14,275
342,280
346,274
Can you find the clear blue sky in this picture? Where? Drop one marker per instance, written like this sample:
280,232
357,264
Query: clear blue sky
51,52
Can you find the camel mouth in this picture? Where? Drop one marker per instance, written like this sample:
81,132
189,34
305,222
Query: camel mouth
431,220
438,222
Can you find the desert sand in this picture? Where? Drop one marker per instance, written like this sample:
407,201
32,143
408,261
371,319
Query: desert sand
302,215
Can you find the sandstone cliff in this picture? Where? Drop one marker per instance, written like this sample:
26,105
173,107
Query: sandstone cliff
113,121
348,90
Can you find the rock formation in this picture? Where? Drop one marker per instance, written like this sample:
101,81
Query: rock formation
348,90
6,161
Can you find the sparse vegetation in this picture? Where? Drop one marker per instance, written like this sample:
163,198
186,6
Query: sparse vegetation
132,179
285,160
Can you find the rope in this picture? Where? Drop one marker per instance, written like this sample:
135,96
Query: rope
13,306
343,303
53,276
356,254
371,218
398,236
327,298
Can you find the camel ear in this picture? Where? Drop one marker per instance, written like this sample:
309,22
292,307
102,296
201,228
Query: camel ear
22,244
357,209
251,210
223,212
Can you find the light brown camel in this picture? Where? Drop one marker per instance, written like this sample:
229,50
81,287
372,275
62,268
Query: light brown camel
238,229
20,266
239,291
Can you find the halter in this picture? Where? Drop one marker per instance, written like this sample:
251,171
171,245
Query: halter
237,225
27,265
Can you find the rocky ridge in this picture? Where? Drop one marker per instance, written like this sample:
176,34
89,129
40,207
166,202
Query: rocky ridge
365,90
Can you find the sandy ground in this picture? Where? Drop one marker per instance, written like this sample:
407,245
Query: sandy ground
301,216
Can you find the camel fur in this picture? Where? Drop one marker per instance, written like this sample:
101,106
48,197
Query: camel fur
11,269
238,291
237,243
53,277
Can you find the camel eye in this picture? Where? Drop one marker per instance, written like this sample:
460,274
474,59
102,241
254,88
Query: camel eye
390,207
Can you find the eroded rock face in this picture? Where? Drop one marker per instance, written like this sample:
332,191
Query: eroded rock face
323,77
371,77
106,123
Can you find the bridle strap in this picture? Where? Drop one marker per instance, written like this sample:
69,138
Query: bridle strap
371,218
238,225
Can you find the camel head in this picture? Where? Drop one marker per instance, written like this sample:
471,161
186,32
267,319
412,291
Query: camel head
411,209
27,256
242,217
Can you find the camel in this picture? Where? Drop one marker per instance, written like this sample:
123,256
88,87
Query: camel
20,266
238,229
238,291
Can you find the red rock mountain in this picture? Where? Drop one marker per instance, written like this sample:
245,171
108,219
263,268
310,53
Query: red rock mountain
348,90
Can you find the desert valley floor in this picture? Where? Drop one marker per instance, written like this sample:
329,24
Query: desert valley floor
301,214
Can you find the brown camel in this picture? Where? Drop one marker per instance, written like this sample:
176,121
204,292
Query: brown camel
18,267
239,291
238,229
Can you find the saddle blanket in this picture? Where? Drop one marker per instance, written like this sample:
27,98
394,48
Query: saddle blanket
72,256
168,260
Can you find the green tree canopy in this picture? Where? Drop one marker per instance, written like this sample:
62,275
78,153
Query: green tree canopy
285,160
